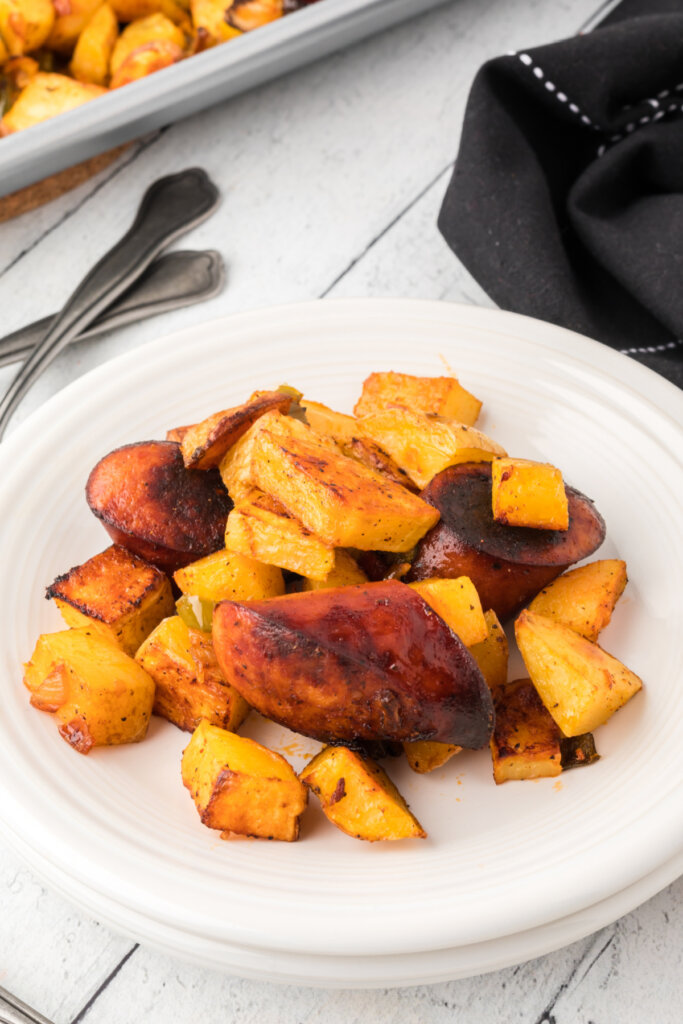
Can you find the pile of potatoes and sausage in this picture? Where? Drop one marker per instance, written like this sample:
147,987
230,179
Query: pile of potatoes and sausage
346,577
58,54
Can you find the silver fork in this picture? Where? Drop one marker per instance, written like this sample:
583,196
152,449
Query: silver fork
14,1011
171,206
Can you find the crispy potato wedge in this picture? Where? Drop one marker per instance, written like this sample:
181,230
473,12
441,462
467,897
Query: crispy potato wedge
94,47
508,565
25,24
145,60
584,598
115,593
98,695
442,396
241,787
226,575
458,604
189,684
246,15
261,528
208,17
359,797
579,683
491,654
148,502
526,740
204,445
425,756
370,662
345,573
176,11
526,493
338,499
72,17
424,446
45,96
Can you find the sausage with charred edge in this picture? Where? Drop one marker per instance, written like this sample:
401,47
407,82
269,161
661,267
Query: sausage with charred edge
151,504
371,662
507,564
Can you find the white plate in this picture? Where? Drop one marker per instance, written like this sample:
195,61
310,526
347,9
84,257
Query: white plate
499,860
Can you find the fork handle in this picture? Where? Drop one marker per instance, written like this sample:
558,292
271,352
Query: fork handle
14,1011
171,206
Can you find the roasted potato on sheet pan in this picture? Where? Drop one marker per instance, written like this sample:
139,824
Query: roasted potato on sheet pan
46,95
371,662
507,564
359,797
98,695
25,24
114,593
189,684
241,787
142,33
72,17
94,47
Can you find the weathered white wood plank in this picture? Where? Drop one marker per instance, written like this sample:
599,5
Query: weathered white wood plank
51,956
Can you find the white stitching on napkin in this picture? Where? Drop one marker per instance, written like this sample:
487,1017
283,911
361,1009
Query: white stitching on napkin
561,97
652,348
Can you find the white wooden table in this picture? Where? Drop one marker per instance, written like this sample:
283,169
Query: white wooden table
331,181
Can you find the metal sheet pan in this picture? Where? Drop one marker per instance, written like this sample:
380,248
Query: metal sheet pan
201,81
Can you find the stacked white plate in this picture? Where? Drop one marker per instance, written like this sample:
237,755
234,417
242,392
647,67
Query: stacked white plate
508,872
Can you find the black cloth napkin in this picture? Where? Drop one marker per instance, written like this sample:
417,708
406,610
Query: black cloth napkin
566,202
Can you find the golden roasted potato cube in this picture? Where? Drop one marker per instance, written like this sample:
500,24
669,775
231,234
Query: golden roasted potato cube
263,529
208,17
338,499
228,576
152,29
240,787
526,493
457,603
69,25
116,594
189,684
237,467
145,60
204,445
135,10
94,47
425,755
345,573
98,695
25,24
424,445
491,654
359,797
45,96
526,741
336,425
584,598
442,396
579,683
246,15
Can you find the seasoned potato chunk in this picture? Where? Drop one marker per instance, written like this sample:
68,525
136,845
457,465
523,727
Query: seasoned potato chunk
526,493
95,45
226,575
45,96
338,499
98,695
491,654
189,684
345,573
584,598
458,604
136,10
526,741
240,787
115,593
359,797
72,17
442,396
425,755
579,683
204,445
145,36
25,24
208,17
424,445
263,529
246,15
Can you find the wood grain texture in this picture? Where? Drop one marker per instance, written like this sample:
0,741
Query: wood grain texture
331,180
